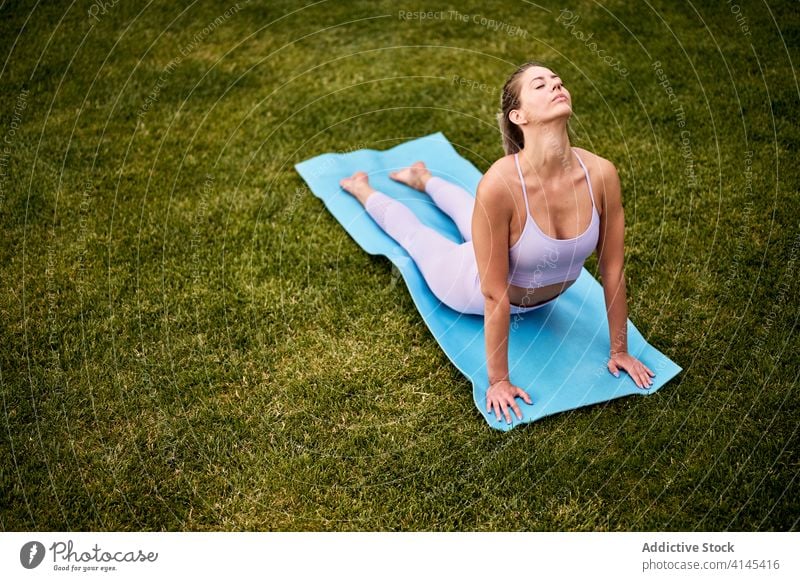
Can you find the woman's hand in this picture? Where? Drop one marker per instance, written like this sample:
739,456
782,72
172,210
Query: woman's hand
501,396
635,368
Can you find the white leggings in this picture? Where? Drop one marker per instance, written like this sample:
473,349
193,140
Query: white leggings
449,269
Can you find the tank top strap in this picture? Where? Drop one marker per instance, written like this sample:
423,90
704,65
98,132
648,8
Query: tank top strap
588,181
524,189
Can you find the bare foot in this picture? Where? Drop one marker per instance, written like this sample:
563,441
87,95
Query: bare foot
416,176
358,185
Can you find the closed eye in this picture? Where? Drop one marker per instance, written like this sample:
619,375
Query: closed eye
554,77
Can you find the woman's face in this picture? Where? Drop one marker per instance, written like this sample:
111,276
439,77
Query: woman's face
542,96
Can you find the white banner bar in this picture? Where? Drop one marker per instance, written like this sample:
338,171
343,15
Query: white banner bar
368,556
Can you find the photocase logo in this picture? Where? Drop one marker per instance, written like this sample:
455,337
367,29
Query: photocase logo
31,554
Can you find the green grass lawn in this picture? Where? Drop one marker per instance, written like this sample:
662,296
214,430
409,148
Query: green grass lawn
190,341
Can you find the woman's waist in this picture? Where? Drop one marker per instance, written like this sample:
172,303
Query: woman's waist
528,297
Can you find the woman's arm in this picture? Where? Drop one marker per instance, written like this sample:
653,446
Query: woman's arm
490,223
611,258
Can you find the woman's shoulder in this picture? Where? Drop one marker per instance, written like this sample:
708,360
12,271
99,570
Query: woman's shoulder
501,166
497,177
597,166
502,173
604,178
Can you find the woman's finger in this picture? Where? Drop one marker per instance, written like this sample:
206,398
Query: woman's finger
645,368
498,410
637,377
633,371
506,413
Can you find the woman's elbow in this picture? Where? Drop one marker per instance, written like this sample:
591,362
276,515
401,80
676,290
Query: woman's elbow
494,294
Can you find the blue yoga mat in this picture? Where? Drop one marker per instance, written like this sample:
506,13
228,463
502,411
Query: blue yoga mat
558,353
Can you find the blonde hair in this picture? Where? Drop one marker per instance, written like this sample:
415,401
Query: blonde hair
513,139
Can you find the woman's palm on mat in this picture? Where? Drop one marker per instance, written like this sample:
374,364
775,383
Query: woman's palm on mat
501,396
635,368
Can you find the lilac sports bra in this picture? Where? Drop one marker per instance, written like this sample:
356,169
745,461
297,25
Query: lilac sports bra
537,259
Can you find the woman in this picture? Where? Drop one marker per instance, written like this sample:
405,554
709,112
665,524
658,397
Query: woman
541,211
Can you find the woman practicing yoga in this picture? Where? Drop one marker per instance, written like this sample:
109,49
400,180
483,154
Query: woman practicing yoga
541,211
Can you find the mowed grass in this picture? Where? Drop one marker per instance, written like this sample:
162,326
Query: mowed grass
190,341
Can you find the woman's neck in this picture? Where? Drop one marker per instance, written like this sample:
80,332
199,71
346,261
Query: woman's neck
547,149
